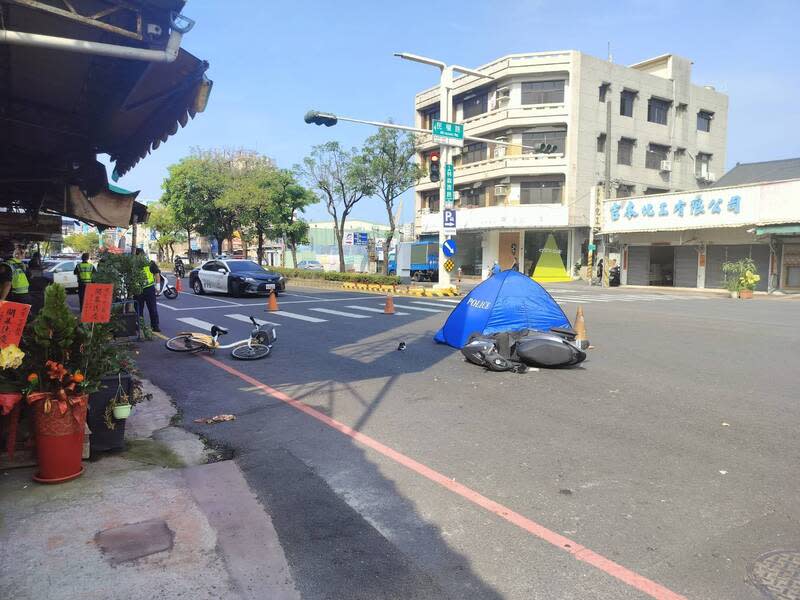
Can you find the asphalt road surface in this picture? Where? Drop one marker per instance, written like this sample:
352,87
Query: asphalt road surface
663,467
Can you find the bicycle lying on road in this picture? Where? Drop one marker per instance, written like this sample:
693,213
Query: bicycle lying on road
258,345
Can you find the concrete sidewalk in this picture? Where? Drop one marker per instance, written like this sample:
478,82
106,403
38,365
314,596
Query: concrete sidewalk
157,521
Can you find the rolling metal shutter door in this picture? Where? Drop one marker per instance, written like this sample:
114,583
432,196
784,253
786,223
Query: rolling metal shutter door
638,265
720,254
685,266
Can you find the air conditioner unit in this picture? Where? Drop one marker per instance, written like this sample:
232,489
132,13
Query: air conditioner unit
502,96
666,165
456,195
501,190
455,151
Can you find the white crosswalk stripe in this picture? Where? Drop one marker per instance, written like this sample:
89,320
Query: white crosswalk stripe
407,307
204,325
246,319
340,313
439,304
299,317
371,309
451,300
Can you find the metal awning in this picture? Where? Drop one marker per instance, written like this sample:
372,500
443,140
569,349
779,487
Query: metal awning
59,109
793,229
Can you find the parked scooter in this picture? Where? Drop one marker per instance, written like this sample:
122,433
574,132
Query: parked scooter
167,289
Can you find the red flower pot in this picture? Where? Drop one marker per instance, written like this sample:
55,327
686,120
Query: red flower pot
59,438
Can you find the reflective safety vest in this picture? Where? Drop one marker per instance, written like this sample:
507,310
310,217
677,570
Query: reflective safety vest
19,281
148,275
85,272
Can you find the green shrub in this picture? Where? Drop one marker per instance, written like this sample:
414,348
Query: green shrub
336,276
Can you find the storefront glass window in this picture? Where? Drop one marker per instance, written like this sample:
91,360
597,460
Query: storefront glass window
470,253
535,242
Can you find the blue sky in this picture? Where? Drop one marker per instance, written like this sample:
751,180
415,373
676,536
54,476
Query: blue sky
272,61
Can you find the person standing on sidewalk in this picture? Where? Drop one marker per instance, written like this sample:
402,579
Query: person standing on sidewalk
13,281
85,272
148,295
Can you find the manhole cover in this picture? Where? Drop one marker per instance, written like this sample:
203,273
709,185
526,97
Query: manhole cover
777,574
129,542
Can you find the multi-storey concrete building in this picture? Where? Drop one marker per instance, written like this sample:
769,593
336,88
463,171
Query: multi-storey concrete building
570,113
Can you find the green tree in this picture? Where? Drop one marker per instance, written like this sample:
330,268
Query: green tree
163,222
340,179
83,242
391,171
288,199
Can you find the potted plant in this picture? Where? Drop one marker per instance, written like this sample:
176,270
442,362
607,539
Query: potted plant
11,385
125,272
53,345
741,277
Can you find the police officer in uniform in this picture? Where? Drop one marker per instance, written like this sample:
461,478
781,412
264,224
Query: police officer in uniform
85,272
13,281
148,295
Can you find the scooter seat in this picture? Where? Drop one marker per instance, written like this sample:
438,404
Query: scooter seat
217,330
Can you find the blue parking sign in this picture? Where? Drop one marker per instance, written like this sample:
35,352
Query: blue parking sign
449,220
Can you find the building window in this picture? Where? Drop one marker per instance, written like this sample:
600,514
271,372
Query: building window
473,153
471,197
474,105
540,192
428,117
604,87
704,120
431,202
657,110
702,165
625,191
650,191
655,154
601,142
543,92
626,99
541,138
625,151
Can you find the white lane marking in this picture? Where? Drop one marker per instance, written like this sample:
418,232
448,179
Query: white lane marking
207,297
168,306
340,313
204,325
370,309
246,319
450,301
300,295
283,313
439,304
406,307
364,297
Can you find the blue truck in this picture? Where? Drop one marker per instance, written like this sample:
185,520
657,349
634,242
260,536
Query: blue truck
418,261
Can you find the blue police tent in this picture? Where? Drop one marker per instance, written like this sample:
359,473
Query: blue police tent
508,301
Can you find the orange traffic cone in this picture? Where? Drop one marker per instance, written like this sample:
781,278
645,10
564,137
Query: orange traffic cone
388,308
582,340
272,305
178,285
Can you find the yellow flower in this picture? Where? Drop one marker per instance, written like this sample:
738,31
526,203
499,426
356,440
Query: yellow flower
11,357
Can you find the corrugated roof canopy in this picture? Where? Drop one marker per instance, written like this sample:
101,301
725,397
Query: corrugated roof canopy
761,172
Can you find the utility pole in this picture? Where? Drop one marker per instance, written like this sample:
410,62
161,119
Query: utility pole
445,151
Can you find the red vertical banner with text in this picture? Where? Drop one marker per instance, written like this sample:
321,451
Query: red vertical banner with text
13,316
97,300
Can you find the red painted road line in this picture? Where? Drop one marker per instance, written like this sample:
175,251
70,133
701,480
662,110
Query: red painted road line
581,553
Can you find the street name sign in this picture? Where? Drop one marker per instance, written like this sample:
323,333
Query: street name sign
448,134
449,189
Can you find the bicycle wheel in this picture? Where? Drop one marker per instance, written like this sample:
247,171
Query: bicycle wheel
251,352
184,343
